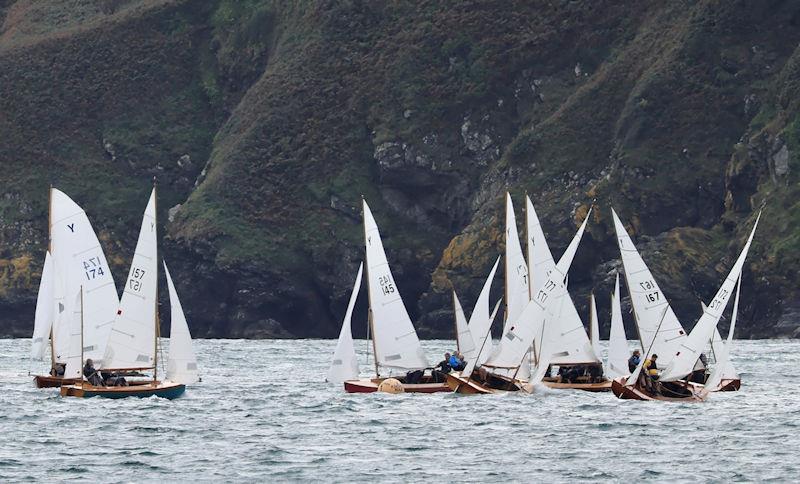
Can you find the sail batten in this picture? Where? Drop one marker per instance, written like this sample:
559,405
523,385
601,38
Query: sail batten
130,343
79,261
396,344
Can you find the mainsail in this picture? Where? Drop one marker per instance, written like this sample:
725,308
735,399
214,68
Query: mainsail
181,361
517,292
617,365
659,328
131,344
394,339
541,311
79,261
345,364
570,342
45,310
73,357
686,356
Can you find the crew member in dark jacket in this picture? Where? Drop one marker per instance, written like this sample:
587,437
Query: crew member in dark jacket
634,361
91,374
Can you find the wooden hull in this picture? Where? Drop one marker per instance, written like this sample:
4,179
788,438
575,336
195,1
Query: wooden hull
160,389
468,386
370,385
47,381
603,386
729,385
638,392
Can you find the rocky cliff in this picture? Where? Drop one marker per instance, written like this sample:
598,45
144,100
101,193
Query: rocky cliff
266,121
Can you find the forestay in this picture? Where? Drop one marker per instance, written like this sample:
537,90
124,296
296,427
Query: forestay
543,309
345,364
181,361
395,340
617,365
650,306
79,261
570,342
132,341
45,310
684,360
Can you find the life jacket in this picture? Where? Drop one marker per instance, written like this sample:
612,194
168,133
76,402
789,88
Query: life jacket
650,367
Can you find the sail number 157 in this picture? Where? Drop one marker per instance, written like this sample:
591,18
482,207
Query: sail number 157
135,282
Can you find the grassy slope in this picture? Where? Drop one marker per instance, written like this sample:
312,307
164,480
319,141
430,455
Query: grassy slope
287,102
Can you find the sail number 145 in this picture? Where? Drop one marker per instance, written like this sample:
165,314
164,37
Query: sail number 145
386,285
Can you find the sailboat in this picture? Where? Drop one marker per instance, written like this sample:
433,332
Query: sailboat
539,316
568,345
74,259
395,345
648,302
133,342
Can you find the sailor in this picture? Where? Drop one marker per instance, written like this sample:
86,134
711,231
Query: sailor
58,370
456,361
651,367
634,361
442,369
91,374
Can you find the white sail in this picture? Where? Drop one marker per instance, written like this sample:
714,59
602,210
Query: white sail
79,260
62,315
132,340
617,365
464,339
723,354
181,361
395,341
717,347
74,324
684,360
484,348
345,364
571,343
542,310
480,321
594,326
517,292
650,307
45,310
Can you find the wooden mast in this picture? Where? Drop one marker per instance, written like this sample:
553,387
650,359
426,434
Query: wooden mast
455,320
369,288
82,362
50,250
530,275
158,326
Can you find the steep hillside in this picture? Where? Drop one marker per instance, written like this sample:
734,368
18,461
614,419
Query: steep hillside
265,122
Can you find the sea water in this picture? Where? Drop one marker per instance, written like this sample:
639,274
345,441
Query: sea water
264,413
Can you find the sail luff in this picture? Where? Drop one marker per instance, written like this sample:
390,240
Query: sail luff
724,354
43,317
594,326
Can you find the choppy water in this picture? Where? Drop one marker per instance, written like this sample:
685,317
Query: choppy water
263,413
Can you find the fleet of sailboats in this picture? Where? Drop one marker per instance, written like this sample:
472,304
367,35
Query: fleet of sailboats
80,315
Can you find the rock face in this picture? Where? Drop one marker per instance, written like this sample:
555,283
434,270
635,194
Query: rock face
265,123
